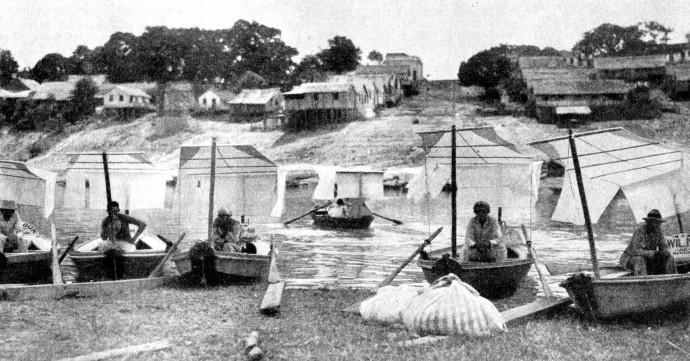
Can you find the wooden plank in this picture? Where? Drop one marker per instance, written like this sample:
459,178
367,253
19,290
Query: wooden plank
57,275
125,351
563,268
531,308
87,289
272,298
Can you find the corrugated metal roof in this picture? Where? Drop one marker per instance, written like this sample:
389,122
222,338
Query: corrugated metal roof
542,61
255,96
309,88
131,91
580,87
630,62
59,90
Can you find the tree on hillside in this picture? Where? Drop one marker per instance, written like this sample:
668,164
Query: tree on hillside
119,59
341,56
83,101
260,49
375,56
486,68
8,66
251,80
614,40
52,67
310,69
82,61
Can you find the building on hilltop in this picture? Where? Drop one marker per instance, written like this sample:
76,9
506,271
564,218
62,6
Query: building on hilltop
648,68
215,99
175,99
125,101
311,105
413,64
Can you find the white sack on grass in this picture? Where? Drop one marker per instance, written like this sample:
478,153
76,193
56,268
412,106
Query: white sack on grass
386,305
452,307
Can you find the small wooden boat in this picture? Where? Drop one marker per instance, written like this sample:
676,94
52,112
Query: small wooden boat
623,296
30,267
221,267
94,266
490,279
323,220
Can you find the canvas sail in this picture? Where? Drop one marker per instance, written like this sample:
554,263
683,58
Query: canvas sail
611,160
27,186
336,182
488,168
245,183
135,183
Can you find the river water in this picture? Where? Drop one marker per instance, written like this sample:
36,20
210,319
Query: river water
314,258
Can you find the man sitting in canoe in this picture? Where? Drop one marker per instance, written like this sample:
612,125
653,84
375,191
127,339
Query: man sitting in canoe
648,251
115,230
227,232
482,231
11,231
337,209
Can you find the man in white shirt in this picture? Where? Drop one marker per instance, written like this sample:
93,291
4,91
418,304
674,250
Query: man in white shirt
11,231
480,238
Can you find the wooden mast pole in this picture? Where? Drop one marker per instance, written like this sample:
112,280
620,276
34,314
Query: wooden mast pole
454,194
212,187
583,200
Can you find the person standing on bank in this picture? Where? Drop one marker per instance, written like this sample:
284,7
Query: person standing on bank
11,231
648,251
115,230
481,235
227,232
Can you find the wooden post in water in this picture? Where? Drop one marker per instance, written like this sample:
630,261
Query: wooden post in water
583,200
453,195
211,187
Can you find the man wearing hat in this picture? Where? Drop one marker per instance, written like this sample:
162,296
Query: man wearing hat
482,231
227,232
11,232
648,251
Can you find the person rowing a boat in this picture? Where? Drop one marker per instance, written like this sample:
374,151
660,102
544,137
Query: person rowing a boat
115,230
648,251
11,231
227,232
480,237
337,209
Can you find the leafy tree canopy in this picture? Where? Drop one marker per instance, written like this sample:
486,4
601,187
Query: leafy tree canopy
83,101
375,56
341,56
52,67
8,66
615,40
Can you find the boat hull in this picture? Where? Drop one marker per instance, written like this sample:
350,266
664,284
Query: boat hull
30,267
94,266
491,280
625,296
323,220
220,267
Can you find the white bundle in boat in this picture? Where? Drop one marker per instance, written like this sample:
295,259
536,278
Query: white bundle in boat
452,307
386,305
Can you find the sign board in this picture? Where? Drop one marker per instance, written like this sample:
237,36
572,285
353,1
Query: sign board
679,245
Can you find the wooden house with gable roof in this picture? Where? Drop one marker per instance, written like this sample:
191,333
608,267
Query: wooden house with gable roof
649,68
257,102
316,104
577,98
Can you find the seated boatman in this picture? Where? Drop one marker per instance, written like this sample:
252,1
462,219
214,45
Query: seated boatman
648,251
482,231
11,231
337,210
227,232
115,230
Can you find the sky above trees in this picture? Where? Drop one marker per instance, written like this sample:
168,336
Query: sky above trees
443,33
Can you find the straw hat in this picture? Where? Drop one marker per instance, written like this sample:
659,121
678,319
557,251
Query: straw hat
654,215
224,210
8,205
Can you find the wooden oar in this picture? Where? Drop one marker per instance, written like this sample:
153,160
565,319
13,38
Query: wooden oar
355,307
544,285
57,275
170,251
69,248
270,304
397,222
563,268
306,214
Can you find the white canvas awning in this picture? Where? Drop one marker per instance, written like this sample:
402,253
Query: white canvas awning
337,182
245,182
650,175
488,168
27,186
135,183
582,110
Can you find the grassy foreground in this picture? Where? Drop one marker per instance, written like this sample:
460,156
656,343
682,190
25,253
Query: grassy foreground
209,324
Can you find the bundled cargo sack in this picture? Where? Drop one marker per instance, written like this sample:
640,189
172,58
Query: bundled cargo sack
386,305
452,307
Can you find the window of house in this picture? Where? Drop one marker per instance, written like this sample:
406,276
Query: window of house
335,96
131,99
213,102
112,98
204,101
316,97
122,98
